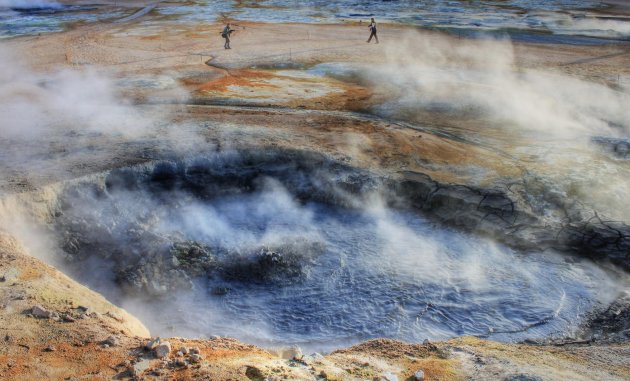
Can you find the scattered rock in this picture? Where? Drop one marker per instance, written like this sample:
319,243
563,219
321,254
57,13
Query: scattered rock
180,363
55,316
138,368
11,275
152,344
112,341
68,318
184,350
523,377
195,358
254,373
50,348
195,350
323,375
389,377
40,312
83,309
419,375
162,350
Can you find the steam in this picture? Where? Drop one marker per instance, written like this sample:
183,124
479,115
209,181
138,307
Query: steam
481,76
340,275
546,117
589,26
85,101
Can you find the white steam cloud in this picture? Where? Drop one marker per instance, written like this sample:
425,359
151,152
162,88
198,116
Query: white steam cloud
482,76
84,101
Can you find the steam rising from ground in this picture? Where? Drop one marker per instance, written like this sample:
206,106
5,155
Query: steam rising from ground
380,273
34,104
481,76
545,119
337,275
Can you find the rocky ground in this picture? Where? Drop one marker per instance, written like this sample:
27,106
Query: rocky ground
264,96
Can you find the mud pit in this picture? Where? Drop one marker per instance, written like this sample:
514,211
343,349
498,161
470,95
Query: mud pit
289,247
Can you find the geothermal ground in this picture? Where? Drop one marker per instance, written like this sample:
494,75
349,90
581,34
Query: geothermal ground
443,205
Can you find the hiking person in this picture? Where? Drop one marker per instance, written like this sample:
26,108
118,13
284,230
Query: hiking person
226,34
372,31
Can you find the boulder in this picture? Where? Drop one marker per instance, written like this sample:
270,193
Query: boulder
112,341
152,344
162,350
40,312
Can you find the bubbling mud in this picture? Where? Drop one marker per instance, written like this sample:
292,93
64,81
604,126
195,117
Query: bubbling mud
305,253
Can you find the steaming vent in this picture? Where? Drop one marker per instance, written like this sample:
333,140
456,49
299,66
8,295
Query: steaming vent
292,247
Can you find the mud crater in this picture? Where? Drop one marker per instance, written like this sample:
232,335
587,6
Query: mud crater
294,247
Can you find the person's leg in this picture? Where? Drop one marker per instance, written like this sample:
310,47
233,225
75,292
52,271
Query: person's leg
228,42
376,37
371,35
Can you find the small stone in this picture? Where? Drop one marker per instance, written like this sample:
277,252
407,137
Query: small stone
389,377
419,375
323,375
195,350
179,354
180,362
112,341
426,341
83,309
163,350
523,377
195,358
105,345
55,316
11,275
254,373
151,344
67,318
184,350
40,312
50,348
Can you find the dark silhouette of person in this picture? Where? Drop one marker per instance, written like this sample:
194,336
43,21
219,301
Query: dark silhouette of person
226,35
372,31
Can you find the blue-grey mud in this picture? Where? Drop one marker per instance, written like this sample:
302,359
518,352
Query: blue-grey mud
463,181
205,252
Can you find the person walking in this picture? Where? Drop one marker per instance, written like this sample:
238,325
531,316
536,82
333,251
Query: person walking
372,31
226,35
